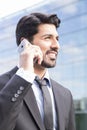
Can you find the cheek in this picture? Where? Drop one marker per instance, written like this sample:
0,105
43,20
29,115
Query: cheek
42,44
45,45
43,48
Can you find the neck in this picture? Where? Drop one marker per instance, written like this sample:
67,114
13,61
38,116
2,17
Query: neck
39,70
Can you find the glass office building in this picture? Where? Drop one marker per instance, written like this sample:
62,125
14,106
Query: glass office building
70,70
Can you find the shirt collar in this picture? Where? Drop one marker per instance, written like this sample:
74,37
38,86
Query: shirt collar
47,77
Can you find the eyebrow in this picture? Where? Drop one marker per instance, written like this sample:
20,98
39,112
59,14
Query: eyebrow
49,35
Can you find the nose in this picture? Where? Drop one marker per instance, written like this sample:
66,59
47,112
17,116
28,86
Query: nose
58,44
55,44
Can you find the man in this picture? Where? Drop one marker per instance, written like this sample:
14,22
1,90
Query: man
21,98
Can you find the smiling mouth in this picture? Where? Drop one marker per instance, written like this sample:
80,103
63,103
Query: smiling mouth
52,55
52,51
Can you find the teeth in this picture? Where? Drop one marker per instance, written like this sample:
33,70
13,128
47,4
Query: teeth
52,55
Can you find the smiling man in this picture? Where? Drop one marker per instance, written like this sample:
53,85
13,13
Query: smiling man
24,103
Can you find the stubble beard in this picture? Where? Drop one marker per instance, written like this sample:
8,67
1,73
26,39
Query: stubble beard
49,63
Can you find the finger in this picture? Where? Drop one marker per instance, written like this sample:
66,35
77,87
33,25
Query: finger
39,56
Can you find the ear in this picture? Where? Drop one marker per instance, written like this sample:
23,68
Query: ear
21,39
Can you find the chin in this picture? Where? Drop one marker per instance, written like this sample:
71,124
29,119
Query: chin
48,64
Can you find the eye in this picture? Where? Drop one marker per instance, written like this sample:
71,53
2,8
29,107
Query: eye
57,38
48,37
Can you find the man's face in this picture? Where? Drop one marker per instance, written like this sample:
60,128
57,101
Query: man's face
47,39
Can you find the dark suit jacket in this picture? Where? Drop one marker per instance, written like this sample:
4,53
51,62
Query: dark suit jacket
18,107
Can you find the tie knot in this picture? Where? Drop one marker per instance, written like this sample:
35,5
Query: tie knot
41,82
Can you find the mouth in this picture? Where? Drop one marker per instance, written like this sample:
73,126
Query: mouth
52,54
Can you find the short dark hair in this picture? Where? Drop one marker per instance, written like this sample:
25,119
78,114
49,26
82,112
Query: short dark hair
28,25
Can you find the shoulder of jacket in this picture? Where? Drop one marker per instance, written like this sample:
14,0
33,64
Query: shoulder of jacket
4,78
60,87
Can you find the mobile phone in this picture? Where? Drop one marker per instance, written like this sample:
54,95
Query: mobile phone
22,45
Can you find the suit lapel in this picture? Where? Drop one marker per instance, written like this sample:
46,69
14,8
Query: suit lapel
58,102
32,105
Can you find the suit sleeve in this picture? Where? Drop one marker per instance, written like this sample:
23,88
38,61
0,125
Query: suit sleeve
11,98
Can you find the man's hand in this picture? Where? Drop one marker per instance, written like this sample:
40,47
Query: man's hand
29,54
